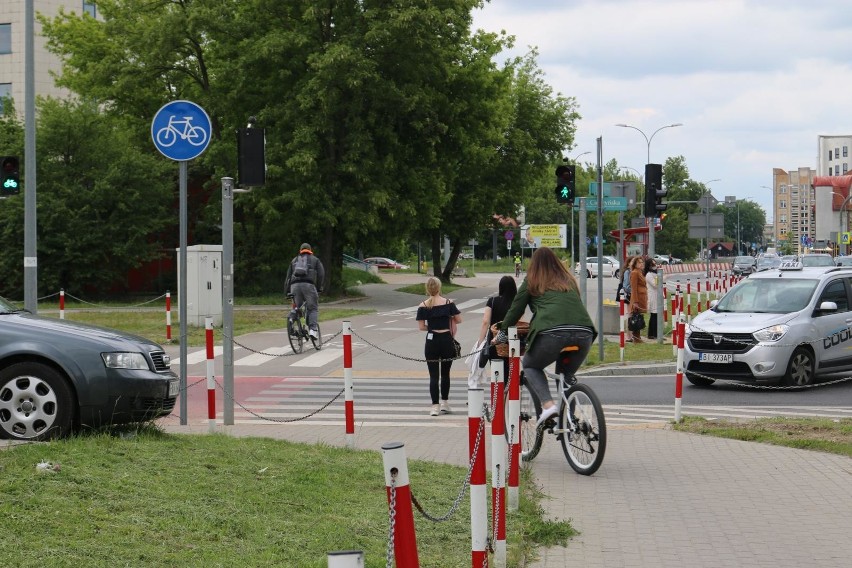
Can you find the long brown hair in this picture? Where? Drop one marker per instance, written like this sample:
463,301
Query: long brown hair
546,272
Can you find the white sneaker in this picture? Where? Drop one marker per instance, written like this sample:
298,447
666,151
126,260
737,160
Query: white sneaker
434,411
445,408
547,413
313,333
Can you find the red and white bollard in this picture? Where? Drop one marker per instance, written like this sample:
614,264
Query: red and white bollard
679,378
675,307
211,380
688,300
478,488
514,418
621,323
498,464
665,305
168,315
349,404
698,297
399,505
62,303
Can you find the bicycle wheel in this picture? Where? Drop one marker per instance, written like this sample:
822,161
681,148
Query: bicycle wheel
529,436
317,341
584,443
296,333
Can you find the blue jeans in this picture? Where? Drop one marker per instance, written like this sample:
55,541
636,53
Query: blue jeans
545,350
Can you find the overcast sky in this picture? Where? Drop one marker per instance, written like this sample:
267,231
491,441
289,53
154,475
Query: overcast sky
753,82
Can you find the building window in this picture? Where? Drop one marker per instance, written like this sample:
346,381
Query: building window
845,151
783,204
90,9
5,38
837,152
845,167
829,156
837,170
5,91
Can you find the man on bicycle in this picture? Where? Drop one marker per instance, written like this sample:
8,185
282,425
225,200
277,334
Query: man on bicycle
559,319
304,277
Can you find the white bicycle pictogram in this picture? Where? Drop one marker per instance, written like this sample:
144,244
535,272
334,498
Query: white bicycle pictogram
168,135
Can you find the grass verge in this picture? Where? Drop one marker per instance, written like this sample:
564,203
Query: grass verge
821,434
146,498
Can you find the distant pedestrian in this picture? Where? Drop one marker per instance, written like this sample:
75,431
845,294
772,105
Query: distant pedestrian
435,316
651,277
624,284
638,293
495,311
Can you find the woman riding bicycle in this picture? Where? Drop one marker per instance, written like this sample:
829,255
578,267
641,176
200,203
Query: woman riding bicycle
559,319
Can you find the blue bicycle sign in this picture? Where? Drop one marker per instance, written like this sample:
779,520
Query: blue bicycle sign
181,130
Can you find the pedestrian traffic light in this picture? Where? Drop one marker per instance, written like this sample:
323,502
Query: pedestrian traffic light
10,175
654,192
565,184
251,163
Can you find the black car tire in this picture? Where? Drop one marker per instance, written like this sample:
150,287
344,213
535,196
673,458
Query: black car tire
800,369
36,403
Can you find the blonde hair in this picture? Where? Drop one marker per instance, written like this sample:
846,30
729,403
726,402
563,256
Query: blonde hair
433,288
546,272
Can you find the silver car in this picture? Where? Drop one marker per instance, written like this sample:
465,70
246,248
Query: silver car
786,325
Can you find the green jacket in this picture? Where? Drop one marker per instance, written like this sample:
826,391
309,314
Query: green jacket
549,310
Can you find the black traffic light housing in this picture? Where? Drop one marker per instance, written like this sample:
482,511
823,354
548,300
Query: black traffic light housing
251,152
10,175
654,192
566,187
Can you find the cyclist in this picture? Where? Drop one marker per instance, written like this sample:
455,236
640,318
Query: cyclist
559,319
304,277
517,264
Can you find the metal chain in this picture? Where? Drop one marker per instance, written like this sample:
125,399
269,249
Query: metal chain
226,336
774,387
280,420
114,307
374,346
464,486
391,520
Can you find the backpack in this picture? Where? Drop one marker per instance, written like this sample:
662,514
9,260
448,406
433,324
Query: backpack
300,266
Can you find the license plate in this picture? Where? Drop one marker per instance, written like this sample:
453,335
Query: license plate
716,357
174,388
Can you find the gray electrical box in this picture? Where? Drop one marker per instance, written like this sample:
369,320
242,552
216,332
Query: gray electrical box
203,284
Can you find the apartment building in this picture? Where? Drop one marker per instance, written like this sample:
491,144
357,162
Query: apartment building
13,41
794,209
833,155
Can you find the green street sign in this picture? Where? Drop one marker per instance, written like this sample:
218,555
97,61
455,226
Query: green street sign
614,203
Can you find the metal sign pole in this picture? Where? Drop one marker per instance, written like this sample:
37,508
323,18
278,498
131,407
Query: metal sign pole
182,292
228,299
600,250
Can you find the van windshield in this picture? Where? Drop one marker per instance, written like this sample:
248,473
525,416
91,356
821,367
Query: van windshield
768,296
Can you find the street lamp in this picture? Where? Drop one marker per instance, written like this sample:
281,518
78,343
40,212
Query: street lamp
647,139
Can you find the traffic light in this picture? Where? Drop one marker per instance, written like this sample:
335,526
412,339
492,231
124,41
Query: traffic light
566,186
10,175
654,192
251,163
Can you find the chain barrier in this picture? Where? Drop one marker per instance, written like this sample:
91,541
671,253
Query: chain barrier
114,307
391,521
772,387
403,357
280,420
247,348
464,486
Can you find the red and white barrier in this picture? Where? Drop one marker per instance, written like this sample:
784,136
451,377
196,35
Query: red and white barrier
514,418
676,307
211,380
62,303
168,315
665,304
478,488
688,300
498,464
349,403
679,378
399,505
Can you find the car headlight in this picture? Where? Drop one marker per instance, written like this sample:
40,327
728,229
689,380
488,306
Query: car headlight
773,333
125,361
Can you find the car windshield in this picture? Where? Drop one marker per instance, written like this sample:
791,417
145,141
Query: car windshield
743,260
768,296
817,260
769,262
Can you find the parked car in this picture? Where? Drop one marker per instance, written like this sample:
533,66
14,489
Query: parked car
57,376
611,267
383,263
789,325
816,259
743,265
666,259
767,263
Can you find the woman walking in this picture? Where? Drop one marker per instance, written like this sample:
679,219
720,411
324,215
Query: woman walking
652,285
495,312
638,293
435,316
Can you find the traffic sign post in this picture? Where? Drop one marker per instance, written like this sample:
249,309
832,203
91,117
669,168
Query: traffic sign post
181,131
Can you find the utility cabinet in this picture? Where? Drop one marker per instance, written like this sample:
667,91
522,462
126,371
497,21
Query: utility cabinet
203,284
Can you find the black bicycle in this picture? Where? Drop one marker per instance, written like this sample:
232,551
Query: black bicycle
579,424
297,328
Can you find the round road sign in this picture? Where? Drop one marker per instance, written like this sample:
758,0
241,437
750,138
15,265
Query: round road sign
181,130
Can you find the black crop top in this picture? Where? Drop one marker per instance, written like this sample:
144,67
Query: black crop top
437,317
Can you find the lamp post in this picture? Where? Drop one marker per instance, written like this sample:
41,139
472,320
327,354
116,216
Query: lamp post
577,157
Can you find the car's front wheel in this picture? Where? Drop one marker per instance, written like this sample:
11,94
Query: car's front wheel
36,403
800,370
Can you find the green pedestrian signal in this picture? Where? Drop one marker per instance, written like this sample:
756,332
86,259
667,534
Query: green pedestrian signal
565,184
10,175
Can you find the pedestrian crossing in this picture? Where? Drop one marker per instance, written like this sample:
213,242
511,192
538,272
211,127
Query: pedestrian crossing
396,402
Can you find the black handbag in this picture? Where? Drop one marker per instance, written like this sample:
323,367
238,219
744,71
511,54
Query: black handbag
636,322
457,348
